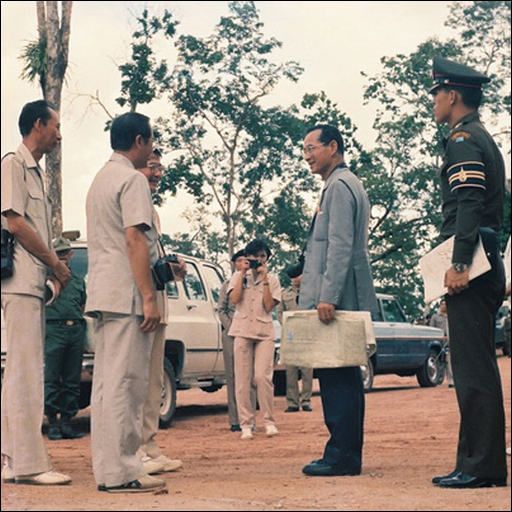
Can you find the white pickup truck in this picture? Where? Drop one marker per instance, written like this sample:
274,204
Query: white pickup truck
193,350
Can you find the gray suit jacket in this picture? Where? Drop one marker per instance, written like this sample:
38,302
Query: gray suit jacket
337,268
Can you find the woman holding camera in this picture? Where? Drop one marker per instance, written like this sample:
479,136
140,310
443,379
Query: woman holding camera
254,293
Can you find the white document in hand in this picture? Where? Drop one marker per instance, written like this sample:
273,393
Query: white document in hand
436,263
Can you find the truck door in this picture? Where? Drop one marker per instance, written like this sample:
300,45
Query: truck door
193,320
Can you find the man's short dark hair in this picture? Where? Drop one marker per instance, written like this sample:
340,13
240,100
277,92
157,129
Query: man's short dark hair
328,134
471,97
157,152
257,246
31,112
126,128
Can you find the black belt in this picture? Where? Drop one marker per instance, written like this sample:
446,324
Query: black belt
67,323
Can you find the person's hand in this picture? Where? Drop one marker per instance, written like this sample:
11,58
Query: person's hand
179,270
58,287
456,282
507,293
326,312
62,272
151,316
263,271
245,267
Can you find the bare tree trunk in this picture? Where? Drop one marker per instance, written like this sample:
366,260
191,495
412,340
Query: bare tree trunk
56,34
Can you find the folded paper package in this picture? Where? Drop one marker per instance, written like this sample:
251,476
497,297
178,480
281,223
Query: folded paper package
349,340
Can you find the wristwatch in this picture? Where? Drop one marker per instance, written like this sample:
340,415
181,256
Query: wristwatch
460,267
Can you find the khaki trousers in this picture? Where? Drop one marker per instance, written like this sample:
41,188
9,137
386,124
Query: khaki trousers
23,386
228,351
293,397
151,414
120,389
256,356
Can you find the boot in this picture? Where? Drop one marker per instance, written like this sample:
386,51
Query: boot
67,430
54,433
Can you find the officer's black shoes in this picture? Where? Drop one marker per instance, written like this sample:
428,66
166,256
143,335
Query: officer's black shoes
67,432
462,481
322,468
437,479
307,408
54,433
235,428
292,409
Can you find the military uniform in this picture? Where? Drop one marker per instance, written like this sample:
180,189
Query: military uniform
294,398
63,351
22,302
472,180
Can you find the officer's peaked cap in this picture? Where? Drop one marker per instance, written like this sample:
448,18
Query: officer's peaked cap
452,74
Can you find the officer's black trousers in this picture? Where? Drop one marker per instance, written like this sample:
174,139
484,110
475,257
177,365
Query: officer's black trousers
63,355
471,318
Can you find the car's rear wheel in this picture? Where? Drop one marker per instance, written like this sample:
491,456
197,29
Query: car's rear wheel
168,405
368,375
429,373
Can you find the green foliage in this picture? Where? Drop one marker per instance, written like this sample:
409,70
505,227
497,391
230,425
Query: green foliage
142,76
35,56
241,159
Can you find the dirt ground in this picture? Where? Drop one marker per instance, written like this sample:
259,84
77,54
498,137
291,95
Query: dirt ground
411,436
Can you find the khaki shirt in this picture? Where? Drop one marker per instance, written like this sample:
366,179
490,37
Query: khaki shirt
23,192
119,198
251,320
226,308
288,302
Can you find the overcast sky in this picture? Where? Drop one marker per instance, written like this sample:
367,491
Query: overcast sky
333,41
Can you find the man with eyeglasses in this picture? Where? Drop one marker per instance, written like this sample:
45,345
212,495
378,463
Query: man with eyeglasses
337,275
152,458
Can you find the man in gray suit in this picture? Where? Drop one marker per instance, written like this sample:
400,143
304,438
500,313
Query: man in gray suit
337,275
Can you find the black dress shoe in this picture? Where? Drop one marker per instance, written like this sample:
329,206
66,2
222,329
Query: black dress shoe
321,468
307,408
292,409
236,428
437,479
68,432
54,433
462,481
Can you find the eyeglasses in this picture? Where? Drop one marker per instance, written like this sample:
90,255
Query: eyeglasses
311,148
155,167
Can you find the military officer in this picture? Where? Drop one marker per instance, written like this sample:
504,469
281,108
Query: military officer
64,350
26,214
295,400
472,180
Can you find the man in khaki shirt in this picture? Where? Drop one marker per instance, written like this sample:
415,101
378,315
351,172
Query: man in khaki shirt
123,247
255,293
26,214
295,400
152,458
226,314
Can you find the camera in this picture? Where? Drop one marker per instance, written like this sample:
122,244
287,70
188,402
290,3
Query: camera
296,269
162,271
254,264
